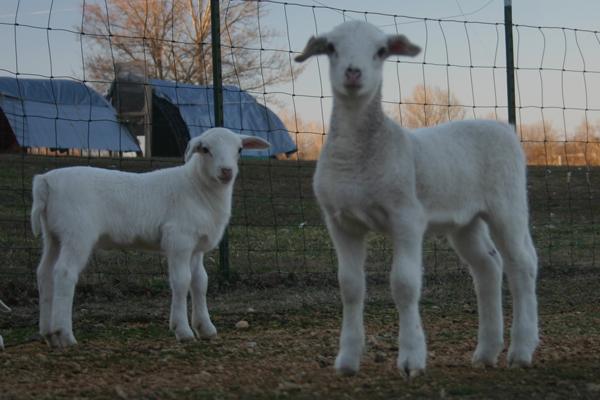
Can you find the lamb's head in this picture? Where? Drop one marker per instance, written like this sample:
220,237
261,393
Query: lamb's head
356,52
214,154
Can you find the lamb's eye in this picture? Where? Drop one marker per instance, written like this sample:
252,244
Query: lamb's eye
381,52
205,150
330,48
240,150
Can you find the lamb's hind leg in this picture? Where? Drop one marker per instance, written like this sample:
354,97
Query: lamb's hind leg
351,252
71,261
511,235
45,281
201,322
475,247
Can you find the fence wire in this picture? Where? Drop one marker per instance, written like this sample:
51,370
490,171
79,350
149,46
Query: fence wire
277,233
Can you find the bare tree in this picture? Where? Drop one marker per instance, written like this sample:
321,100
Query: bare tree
171,39
583,147
540,142
308,135
586,131
428,106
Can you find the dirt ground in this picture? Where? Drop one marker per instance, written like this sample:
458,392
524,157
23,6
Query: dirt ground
126,351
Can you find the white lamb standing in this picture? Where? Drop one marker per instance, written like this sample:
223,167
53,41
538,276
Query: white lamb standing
7,309
180,211
465,180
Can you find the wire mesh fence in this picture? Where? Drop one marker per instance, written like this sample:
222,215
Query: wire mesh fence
276,234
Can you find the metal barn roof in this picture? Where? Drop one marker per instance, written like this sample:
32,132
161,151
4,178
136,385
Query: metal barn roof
242,114
60,113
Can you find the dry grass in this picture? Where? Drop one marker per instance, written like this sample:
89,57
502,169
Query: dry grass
126,350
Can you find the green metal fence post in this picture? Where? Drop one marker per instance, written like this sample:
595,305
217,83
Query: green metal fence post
215,20
510,63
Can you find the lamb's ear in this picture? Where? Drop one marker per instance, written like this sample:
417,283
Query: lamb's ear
255,143
316,45
191,147
399,45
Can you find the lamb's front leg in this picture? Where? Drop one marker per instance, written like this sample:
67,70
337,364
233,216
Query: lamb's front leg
180,277
201,322
351,252
405,279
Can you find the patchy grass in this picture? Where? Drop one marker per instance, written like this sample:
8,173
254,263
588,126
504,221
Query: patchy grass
126,350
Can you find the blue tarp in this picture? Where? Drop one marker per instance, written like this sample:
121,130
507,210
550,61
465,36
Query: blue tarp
61,113
242,114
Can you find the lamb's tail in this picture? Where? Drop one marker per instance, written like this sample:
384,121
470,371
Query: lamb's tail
4,306
40,198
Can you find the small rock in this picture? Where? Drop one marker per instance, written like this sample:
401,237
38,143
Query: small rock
467,308
250,310
242,324
372,341
593,387
120,392
323,361
251,345
290,387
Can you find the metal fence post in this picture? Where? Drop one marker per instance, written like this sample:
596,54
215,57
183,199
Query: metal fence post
215,20
510,63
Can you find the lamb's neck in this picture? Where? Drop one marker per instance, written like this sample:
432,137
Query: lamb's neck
356,116
212,195
357,126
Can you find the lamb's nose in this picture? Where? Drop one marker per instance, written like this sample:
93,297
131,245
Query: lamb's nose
226,173
353,74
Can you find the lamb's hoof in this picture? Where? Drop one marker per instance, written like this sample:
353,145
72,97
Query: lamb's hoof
1,343
60,340
519,360
185,335
482,363
347,365
205,331
410,374
46,337
483,359
521,356
411,365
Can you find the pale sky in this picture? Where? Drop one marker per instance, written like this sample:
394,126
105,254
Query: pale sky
29,50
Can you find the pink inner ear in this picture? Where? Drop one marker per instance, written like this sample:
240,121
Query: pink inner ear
397,46
400,45
252,143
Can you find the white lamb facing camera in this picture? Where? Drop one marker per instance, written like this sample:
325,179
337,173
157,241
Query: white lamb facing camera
465,180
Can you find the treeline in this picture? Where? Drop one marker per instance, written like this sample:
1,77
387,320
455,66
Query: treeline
543,143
